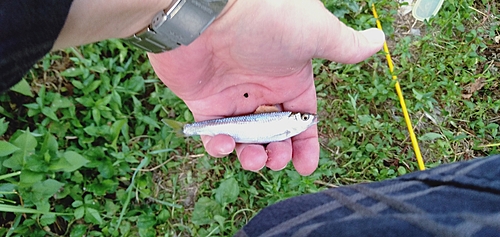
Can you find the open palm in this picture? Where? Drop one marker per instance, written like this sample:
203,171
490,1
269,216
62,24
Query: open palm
259,53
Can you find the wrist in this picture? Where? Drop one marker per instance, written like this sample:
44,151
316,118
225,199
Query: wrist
91,20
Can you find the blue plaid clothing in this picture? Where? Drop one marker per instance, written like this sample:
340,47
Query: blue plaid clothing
458,199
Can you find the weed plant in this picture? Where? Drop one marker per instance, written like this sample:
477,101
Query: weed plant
83,151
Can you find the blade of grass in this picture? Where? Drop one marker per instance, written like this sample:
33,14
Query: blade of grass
6,176
143,163
14,225
18,209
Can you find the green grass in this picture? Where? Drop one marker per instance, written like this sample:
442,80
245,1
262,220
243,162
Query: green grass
87,154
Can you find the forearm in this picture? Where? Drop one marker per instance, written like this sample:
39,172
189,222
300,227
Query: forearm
94,20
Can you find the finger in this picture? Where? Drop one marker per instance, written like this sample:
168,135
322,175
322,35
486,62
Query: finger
305,146
252,157
279,154
343,44
219,145
305,155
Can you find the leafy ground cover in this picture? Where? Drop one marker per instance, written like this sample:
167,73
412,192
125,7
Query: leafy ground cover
83,151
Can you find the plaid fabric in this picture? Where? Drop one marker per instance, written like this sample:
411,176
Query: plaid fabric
28,30
458,199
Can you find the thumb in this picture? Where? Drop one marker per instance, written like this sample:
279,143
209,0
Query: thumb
345,45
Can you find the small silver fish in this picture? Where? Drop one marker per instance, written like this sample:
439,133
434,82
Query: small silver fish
253,128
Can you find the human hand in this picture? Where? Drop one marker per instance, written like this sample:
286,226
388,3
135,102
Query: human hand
259,53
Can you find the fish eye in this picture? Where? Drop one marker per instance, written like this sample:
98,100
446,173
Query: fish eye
305,117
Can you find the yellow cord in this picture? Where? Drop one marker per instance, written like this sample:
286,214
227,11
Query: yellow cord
413,138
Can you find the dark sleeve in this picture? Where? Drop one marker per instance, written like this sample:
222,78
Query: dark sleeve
458,199
28,30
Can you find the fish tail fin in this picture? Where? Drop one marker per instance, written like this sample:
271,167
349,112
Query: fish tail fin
175,125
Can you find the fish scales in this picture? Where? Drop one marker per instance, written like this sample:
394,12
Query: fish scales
254,128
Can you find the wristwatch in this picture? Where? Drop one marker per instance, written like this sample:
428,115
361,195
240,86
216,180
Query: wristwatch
180,24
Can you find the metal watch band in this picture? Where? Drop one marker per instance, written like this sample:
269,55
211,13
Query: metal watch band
179,25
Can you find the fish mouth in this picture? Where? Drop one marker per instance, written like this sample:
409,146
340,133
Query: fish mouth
316,120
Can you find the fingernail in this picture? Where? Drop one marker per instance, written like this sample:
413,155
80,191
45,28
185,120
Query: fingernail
258,169
224,152
374,36
286,164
